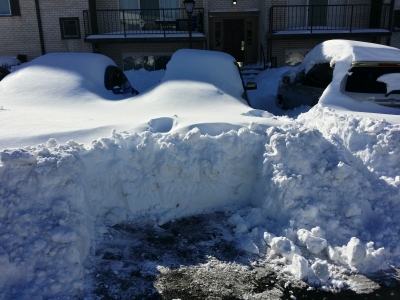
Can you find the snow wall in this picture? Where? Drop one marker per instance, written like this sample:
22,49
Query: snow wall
332,192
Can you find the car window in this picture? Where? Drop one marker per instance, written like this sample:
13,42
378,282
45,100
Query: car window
364,79
114,77
319,76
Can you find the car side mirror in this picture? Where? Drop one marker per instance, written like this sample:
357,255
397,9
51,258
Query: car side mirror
117,90
251,86
286,79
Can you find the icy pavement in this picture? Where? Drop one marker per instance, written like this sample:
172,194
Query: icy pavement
197,258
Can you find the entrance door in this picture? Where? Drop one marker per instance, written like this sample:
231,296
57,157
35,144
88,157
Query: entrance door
317,15
375,15
234,38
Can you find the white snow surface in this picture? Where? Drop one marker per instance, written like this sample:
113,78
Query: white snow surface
318,193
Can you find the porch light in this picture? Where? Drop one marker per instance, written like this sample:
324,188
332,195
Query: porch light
189,7
234,2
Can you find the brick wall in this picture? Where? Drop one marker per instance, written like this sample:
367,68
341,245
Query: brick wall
51,11
280,47
395,40
20,34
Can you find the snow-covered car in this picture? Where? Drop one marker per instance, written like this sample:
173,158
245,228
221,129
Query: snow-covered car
60,71
363,74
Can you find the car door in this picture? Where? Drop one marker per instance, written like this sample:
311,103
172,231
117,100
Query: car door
297,95
306,89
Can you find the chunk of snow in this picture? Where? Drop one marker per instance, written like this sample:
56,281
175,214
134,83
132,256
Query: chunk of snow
284,247
313,243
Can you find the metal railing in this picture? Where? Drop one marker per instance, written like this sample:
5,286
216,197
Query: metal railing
141,21
315,18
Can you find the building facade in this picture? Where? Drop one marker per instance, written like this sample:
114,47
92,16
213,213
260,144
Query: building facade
144,33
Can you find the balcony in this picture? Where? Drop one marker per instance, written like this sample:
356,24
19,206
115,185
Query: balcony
296,21
151,25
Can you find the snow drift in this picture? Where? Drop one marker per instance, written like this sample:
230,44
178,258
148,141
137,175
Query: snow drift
318,195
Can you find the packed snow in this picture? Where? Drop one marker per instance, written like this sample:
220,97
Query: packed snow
314,192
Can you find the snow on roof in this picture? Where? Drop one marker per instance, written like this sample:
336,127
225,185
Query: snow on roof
346,51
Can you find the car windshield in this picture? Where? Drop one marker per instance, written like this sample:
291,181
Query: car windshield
364,79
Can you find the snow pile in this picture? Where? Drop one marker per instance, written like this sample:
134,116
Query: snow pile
315,196
66,91
53,195
45,229
320,201
330,198
143,80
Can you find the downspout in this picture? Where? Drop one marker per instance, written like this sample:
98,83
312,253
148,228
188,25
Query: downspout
39,20
391,25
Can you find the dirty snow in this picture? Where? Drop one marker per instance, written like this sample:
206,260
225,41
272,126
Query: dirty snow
315,195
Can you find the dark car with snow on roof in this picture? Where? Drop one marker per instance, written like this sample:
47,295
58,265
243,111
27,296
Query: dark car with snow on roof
367,77
3,72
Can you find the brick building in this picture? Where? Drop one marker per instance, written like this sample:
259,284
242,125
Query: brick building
145,33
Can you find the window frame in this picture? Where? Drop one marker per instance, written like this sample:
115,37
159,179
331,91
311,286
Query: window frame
396,17
62,28
14,8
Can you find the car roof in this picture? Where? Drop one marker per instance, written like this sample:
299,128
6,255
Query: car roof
346,52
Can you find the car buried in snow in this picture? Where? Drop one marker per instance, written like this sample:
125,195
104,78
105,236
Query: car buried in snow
64,71
362,71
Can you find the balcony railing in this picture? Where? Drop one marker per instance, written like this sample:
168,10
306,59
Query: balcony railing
295,19
125,22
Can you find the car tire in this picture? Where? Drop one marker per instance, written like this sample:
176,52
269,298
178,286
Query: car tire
279,101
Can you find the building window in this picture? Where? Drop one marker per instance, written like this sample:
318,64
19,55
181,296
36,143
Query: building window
396,20
70,28
9,8
149,62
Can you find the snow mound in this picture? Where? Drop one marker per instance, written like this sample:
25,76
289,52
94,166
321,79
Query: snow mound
316,201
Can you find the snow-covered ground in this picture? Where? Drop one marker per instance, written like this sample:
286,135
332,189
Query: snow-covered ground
315,192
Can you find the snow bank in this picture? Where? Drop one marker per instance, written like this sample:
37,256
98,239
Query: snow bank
331,192
317,200
318,196
56,198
